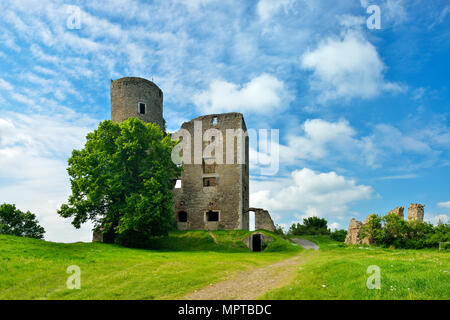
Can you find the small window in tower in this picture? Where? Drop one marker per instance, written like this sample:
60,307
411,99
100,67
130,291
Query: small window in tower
214,121
209,182
182,216
160,93
212,216
141,108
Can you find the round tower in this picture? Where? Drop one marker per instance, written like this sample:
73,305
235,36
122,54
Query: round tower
136,97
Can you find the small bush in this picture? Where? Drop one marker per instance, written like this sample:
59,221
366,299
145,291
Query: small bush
338,235
310,226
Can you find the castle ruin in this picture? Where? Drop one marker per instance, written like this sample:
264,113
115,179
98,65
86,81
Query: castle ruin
211,193
415,213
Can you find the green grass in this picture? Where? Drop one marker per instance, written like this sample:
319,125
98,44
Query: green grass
186,261
405,274
182,263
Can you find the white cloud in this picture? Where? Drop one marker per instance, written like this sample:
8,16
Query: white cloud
444,204
5,85
268,8
308,193
346,67
33,162
436,219
331,142
263,94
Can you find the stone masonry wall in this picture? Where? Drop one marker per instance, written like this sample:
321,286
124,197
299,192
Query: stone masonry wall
354,232
415,212
127,93
230,194
263,221
398,211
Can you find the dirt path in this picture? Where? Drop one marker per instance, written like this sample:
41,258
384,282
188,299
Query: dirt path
251,284
306,244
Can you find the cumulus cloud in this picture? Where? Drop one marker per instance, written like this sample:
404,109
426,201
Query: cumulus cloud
262,94
346,67
320,140
309,193
436,219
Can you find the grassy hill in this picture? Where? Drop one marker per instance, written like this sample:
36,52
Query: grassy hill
187,261
177,265
338,271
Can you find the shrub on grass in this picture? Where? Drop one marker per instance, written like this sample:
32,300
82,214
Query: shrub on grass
310,226
338,235
392,231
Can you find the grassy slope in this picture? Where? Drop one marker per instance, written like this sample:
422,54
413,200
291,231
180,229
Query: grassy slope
185,261
343,270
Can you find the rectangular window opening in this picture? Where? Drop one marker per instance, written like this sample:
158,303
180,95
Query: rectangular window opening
182,216
141,108
212,216
178,184
209,182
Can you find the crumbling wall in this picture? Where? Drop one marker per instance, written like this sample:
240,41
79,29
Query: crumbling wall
398,211
263,220
415,212
354,232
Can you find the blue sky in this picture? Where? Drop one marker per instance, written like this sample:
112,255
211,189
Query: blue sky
363,114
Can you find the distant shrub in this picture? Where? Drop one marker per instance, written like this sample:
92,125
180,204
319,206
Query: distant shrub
17,223
338,235
310,226
279,231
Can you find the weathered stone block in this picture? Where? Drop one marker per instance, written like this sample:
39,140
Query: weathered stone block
416,212
354,232
398,211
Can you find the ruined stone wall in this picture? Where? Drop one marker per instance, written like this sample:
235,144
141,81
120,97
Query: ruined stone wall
228,192
263,221
354,232
127,93
415,212
399,211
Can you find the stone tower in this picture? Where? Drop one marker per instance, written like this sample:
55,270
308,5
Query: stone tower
415,212
136,97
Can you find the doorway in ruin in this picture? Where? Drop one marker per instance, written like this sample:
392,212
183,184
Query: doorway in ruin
256,242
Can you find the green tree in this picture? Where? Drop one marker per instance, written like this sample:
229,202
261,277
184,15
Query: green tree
122,180
17,223
310,226
395,230
373,229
